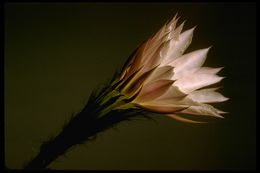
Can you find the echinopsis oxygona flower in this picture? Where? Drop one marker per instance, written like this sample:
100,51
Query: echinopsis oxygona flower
157,77
160,78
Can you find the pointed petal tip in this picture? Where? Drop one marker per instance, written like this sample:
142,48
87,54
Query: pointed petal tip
225,99
217,115
175,16
183,22
210,47
222,112
191,29
220,68
206,50
221,117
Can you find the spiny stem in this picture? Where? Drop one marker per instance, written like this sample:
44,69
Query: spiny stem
80,129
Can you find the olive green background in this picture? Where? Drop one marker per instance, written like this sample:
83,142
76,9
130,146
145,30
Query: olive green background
57,53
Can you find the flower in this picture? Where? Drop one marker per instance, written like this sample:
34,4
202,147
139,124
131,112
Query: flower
160,78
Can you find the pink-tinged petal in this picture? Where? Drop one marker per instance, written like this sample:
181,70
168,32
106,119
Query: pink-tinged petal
168,101
172,24
187,63
160,73
153,59
137,59
207,96
173,92
128,79
163,109
158,35
134,82
155,42
177,47
185,120
164,50
176,33
153,90
195,81
203,110
152,55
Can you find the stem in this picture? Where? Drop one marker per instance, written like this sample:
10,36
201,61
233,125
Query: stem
77,131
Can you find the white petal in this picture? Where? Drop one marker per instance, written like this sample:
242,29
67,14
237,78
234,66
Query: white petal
195,81
165,49
207,96
203,109
188,63
209,70
169,100
177,47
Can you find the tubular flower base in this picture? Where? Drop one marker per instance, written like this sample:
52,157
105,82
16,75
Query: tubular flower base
157,77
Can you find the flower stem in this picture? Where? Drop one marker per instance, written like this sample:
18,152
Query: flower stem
80,129
76,131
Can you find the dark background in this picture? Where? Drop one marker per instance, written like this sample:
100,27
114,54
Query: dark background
56,54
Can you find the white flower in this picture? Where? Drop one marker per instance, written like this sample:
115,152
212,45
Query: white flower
160,78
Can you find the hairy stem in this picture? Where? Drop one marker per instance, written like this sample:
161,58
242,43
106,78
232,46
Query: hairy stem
79,130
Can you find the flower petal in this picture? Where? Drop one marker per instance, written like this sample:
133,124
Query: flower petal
203,109
209,70
173,92
177,47
163,109
195,81
188,63
172,24
133,83
160,73
154,59
207,96
135,62
176,33
185,120
153,90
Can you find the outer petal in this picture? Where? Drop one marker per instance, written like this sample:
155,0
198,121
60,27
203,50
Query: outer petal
173,92
204,109
185,120
160,73
172,24
134,82
195,81
153,90
163,109
177,47
207,96
209,70
188,63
